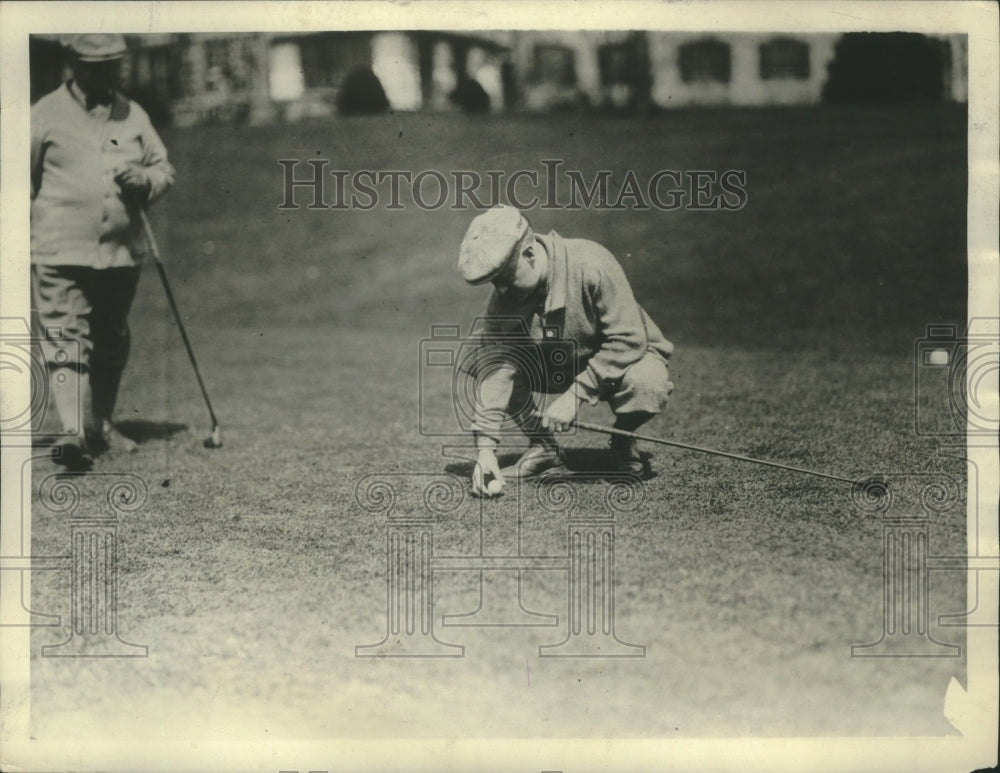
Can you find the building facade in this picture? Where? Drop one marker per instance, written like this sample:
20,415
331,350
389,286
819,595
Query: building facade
255,78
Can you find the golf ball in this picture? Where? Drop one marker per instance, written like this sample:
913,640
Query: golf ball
494,486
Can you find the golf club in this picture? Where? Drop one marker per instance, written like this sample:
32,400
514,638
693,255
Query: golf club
214,440
676,444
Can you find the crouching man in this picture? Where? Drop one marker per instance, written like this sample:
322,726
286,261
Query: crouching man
546,284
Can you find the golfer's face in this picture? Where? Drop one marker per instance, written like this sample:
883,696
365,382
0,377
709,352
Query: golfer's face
98,77
518,280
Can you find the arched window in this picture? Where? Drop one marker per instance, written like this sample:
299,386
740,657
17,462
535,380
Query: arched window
706,61
784,58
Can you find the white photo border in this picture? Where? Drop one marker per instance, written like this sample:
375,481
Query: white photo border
973,710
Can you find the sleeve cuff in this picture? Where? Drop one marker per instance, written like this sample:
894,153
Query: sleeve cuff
586,389
485,441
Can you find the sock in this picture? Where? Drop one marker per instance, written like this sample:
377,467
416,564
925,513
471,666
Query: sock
628,422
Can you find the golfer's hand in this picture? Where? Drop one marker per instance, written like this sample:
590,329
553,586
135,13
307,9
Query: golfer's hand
487,469
135,185
559,416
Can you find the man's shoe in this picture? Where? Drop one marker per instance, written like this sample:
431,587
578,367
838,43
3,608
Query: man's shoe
95,442
538,460
73,455
627,458
115,440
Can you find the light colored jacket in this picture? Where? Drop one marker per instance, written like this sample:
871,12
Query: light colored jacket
588,302
78,217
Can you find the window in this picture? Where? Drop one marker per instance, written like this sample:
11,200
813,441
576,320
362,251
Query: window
165,67
784,58
216,54
242,63
615,63
155,70
135,69
706,61
555,64
188,86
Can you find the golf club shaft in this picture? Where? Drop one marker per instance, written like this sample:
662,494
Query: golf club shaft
623,433
151,240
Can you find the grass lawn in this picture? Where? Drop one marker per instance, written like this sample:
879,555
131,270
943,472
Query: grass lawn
252,573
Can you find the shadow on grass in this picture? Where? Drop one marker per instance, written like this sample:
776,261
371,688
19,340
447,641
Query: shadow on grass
140,430
590,463
137,430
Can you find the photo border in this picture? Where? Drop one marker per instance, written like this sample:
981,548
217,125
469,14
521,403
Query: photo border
973,710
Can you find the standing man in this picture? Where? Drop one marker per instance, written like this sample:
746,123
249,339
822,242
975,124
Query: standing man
575,290
96,161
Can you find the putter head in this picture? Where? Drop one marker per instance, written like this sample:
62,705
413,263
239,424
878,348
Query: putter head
872,494
215,439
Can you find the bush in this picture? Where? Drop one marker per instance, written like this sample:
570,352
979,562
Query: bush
471,96
870,67
362,93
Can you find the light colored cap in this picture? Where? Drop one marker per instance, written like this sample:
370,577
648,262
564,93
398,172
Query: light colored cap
489,243
95,47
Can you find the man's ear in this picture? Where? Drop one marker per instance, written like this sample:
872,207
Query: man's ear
529,255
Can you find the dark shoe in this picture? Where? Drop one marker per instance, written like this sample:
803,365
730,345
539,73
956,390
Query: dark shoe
73,455
115,440
538,460
96,443
627,458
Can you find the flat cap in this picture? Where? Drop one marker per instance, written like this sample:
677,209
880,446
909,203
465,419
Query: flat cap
96,46
489,243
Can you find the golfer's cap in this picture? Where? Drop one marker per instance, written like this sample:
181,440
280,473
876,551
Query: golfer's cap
95,47
489,244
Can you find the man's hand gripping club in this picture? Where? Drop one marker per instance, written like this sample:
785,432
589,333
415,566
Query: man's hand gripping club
561,414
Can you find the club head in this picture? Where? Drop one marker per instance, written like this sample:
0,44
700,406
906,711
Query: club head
215,439
872,493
